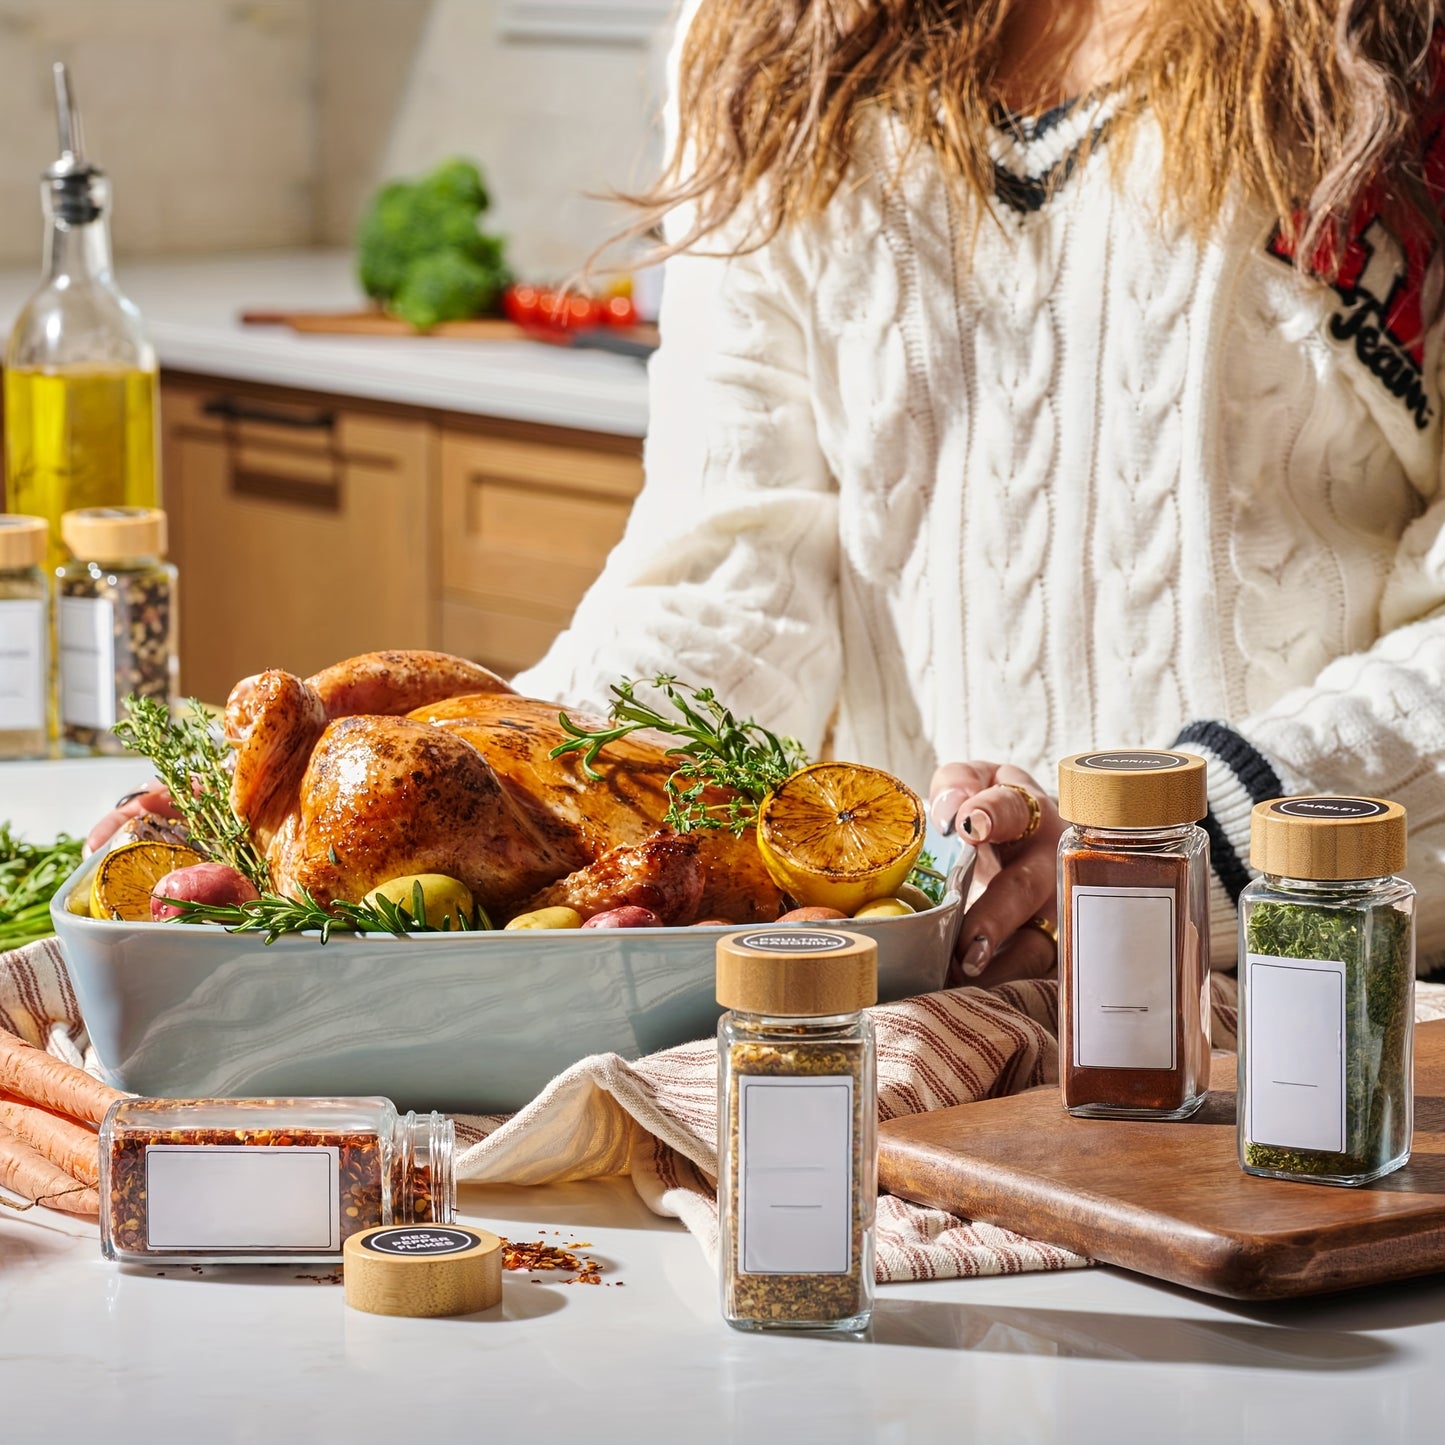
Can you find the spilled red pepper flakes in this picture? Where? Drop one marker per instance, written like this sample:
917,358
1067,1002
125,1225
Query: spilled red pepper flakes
535,1255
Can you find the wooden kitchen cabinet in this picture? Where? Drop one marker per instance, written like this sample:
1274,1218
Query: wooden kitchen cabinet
308,528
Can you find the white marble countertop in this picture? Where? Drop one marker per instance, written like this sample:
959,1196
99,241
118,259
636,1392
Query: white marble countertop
192,305
92,1351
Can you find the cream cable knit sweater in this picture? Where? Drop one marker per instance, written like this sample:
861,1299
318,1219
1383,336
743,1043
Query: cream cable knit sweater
1095,484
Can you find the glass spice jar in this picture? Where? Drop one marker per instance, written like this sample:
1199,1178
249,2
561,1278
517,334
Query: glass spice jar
266,1180
797,1128
1133,935
116,618
24,638
1327,992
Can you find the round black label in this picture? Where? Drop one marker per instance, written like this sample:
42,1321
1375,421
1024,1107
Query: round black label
1142,761
794,940
421,1240
1328,808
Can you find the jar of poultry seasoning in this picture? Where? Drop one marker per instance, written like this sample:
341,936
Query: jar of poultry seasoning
116,617
266,1180
797,1128
1327,989
24,638
1133,935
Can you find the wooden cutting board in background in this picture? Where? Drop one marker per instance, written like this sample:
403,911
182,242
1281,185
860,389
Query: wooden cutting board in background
630,340
1170,1200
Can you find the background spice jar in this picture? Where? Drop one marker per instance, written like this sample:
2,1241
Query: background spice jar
797,1126
1327,992
24,638
1133,935
116,620
260,1180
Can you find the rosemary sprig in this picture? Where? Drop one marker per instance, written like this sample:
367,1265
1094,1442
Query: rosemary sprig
275,915
926,877
191,758
717,751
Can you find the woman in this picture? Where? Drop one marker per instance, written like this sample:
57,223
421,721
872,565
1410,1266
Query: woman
1047,374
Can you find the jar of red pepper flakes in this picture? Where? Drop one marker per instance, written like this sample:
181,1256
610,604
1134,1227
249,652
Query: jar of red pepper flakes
1133,935
266,1181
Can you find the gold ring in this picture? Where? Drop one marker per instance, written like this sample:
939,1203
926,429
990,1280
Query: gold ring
1035,811
1047,927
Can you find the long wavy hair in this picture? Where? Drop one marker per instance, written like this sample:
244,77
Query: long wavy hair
1302,103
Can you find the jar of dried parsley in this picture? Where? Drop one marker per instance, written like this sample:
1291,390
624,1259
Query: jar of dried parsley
266,1180
116,618
797,1128
1327,992
1133,935
24,638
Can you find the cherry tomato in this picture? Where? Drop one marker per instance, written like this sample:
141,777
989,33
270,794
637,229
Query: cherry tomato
582,312
520,304
619,311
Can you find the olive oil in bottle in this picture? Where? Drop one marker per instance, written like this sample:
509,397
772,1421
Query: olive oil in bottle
80,373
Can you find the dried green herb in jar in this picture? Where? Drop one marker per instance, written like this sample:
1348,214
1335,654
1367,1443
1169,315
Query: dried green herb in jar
797,1176
1327,996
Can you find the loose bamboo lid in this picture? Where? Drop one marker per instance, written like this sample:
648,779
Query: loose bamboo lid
794,972
1132,788
422,1270
22,540
1322,837
107,534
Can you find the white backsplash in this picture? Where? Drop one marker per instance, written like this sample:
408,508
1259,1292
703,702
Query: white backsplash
236,124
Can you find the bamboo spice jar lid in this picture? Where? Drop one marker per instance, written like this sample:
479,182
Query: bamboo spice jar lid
422,1270
22,541
793,972
1133,788
1321,837
108,534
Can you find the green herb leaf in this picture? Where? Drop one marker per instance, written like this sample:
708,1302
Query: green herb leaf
30,876
276,915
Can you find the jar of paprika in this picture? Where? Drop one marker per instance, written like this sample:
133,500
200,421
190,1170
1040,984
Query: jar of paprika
1133,935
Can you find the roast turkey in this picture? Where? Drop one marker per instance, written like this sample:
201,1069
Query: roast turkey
418,762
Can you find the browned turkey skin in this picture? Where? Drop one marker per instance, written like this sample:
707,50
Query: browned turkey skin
418,762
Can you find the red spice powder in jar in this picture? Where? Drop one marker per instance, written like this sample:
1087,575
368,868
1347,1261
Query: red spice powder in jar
1133,935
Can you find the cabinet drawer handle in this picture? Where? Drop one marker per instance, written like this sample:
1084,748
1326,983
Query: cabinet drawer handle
228,408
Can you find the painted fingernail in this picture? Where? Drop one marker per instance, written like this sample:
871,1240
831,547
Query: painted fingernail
944,809
978,825
975,956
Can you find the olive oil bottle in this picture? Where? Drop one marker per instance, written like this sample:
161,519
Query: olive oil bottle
80,373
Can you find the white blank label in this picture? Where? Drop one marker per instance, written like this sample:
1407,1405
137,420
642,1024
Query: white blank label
22,666
223,1196
87,661
1123,966
1294,1050
795,1175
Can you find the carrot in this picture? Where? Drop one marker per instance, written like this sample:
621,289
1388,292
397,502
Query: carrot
31,1073
66,1144
35,1178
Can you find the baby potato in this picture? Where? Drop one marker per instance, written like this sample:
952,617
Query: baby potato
548,918
630,915
815,914
916,898
442,897
884,908
214,883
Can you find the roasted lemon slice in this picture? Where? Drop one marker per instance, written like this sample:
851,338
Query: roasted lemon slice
836,835
121,888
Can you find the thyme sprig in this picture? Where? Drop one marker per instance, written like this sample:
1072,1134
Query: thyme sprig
275,915
717,751
192,760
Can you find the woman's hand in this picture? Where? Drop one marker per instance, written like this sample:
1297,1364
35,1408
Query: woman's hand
988,805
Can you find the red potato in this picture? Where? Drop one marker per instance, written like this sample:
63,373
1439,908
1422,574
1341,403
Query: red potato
153,798
815,914
630,915
200,883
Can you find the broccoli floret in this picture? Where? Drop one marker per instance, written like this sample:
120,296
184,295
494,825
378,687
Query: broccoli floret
445,286
421,251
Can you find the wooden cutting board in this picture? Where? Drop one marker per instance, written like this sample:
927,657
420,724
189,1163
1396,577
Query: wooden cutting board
632,340
1170,1200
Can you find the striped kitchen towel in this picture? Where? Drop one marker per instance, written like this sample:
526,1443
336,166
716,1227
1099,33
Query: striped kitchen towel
655,1119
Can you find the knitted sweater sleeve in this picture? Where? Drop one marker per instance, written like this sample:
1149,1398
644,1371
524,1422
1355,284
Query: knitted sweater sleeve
1371,723
727,573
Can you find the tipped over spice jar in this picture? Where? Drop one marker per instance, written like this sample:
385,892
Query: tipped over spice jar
1133,935
266,1180
1326,1036
797,1128
115,619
